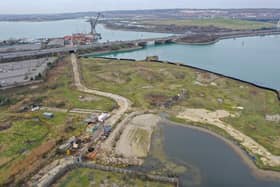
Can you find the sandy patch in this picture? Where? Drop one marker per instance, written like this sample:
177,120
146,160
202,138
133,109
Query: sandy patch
213,118
135,140
203,115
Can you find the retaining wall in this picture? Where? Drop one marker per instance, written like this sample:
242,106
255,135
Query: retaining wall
61,171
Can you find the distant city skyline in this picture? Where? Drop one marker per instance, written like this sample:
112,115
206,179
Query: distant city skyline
62,6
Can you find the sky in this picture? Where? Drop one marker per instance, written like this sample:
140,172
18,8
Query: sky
61,6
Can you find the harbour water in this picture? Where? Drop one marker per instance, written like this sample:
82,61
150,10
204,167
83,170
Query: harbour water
253,59
51,29
217,163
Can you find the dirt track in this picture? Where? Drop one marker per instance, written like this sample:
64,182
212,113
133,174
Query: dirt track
123,103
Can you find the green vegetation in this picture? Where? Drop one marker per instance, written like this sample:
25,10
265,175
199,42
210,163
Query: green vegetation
4,100
142,136
148,85
29,132
90,177
234,24
27,137
59,92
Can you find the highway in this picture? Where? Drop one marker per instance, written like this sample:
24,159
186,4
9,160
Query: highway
10,56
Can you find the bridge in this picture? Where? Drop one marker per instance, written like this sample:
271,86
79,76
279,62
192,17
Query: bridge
10,56
24,55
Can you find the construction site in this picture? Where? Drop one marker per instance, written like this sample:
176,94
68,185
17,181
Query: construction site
86,138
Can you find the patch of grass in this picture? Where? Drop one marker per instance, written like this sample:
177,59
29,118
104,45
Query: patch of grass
142,135
58,92
90,177
234,24
141,140
29,131
63,93
142,79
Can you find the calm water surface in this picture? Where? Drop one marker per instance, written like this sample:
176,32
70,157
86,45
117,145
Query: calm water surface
218,164
254,59
49,29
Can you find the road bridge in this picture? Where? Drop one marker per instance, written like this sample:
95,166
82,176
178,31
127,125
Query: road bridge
22,55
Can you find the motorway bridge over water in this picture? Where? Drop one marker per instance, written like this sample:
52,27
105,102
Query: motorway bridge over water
23,55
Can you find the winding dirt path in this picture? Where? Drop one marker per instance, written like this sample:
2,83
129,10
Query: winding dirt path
123,103
49,173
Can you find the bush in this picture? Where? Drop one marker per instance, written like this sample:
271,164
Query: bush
4,100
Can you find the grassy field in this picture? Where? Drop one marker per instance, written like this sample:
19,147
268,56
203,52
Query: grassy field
59,92
30,137
218,22
27,137
149,85
89,177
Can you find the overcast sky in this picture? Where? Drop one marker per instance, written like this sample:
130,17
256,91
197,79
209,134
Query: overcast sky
57,6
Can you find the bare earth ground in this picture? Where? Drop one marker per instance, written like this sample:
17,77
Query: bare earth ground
214,118
135,140
124,104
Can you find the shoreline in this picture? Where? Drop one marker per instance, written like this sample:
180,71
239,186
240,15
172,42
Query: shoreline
107,52
219,38
274,90
258,173
230,37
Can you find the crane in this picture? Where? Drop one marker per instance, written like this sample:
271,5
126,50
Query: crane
93,23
